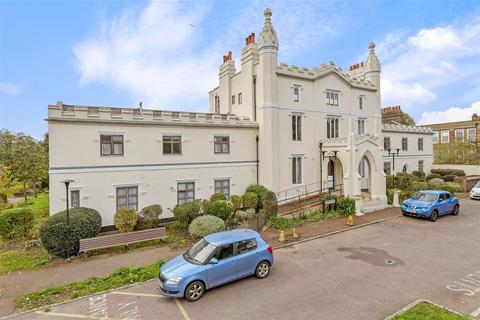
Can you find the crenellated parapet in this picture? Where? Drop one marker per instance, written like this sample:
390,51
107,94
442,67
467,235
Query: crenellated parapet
404,128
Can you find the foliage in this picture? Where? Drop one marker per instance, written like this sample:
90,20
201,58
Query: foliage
205,225
20,260
217,196
346,206
269,204
125,220
242,216
8,185
259,190
436,181
458,173
448,178
419,174
448,186
236,202
433,176
149,217
186,212
222,209
456,153
389,181
206,206
404,180
62,239
442,172
419,185
428,311
282,223
389,196
250,200
120,277
15,222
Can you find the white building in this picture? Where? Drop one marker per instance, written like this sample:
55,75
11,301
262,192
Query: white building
282,126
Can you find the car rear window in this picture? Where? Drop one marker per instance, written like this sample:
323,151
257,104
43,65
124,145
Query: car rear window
246,246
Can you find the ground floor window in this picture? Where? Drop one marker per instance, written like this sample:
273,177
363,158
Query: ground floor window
185,192
420,165
127,198
387,168
296,169
75,198
223,186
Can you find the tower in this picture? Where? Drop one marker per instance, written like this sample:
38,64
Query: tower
372,67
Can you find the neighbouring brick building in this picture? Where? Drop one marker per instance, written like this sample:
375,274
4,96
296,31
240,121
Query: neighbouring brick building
395,114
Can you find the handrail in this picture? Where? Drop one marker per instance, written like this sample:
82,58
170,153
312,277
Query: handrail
300,199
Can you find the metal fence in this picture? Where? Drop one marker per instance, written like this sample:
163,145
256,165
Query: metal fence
308,194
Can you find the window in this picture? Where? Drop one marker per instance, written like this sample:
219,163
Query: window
233,99
445,136
361,126
471,135
297,170
387,168
420,165
75,198
459,135
296,94
111,145
332,98
224,252
240,98
361,99
172,144
296,127
217,104
404,144
127,198
332,127
246,246
185,192
420,144
223,186
221,144
386,143
435,137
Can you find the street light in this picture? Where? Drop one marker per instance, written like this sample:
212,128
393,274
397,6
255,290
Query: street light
476,120
393,154
67,183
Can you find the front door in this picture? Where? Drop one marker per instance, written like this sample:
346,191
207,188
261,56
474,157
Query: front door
363,172
225,270
331,174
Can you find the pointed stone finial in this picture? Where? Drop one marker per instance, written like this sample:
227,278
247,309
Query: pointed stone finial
268,14
371,46
372,63
268,36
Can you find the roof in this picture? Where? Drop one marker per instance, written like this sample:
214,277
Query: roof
230,236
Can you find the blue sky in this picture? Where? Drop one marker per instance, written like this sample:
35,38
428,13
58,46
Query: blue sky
167,53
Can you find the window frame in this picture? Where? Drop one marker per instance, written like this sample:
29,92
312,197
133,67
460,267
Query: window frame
172,143
457,135
333,127
435,137
221,144
389,165
233,99
296,94
297,171
127,197
221,188
239,98
404,143
420,165
186,198
332,97
112,144
361,100
473,137
447,140
361,126
297,126
385,146
420,144
72,192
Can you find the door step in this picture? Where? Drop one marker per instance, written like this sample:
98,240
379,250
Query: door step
373,205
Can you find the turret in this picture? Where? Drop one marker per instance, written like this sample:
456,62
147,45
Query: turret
372,67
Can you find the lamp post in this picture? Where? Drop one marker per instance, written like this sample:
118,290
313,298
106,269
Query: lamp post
476,121
393,154
67,183
320,145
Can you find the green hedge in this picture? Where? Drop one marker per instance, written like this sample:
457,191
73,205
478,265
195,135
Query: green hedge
205,225
222,209
15,223
62,240
217,196
433,176
242,216
259,190
186,212
269,204
250,200
149,217
237,202
125,220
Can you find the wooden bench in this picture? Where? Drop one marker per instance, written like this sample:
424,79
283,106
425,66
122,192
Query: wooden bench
120,239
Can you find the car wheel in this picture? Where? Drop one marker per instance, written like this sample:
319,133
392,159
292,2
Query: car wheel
404,213
194,291
262,270
434,216
456,210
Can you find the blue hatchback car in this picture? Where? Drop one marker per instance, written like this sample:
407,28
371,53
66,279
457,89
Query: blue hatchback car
215,260
431,204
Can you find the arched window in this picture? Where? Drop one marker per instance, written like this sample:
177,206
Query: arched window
404,169
296,94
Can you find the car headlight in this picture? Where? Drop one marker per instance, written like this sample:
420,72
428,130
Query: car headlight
174,282
424,209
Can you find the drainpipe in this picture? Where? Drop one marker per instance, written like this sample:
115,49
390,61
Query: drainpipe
320,145
255,99
256,139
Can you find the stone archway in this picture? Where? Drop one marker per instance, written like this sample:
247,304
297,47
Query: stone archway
365,173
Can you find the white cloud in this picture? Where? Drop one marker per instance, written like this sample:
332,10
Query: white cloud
450,115
405,93
10,89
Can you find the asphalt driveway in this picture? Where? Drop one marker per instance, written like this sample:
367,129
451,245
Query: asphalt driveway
366,273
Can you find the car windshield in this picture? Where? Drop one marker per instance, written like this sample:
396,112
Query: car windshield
200,252
423,196
477,185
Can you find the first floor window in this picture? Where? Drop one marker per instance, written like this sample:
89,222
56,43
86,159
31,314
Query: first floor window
296,127
296,169
459,135
75,198
361,126
221,144
387,168
445,136
471,134
386,143
404,144
127,198
420,144
332,98
233,99
360,101
185,192
420,165
111,145
435,137
240,98
332,127
172,144
223,186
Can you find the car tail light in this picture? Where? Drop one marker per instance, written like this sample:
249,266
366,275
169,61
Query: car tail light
270,248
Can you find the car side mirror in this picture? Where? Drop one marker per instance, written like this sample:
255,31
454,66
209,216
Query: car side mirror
213,261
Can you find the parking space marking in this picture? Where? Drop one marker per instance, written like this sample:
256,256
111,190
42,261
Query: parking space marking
139,294
73,315
475,313
182,309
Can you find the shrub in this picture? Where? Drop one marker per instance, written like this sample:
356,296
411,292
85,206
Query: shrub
404,180
389,181
419,185
149,217
237,202
186,212
442,172
15,223
259,190
206,206
346,206
389,196
125,220
448,178
419,174
242,216
436,181
433,176
455,187
269,204
205,225
222,209
282,223
217,196
250,200
458,173
62,240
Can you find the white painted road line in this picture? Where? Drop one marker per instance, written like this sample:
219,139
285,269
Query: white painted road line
73,315
182,309
138,294
475,313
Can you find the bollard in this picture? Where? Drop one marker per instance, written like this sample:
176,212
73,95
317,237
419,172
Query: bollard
294,233
281,238
350,220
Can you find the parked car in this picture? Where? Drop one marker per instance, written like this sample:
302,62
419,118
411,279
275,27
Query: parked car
475,192
431,204
216,259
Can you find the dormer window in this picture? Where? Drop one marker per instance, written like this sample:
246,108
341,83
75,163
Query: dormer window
332,97
296,94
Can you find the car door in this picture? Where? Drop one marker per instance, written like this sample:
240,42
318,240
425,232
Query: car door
224,270
450,202
442,204
247,257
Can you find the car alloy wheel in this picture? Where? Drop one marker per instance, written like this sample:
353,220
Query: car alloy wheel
434,216
456,210
194,291
263,269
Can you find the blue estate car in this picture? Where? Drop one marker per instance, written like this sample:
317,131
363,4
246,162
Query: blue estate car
214,260
431,204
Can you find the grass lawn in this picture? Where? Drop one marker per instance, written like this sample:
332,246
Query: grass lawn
121,277
428,311
21,260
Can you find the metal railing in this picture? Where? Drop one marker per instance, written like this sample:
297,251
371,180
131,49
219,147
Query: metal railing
301,196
